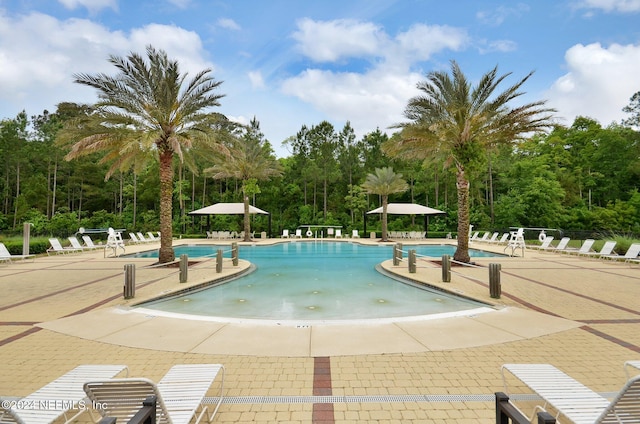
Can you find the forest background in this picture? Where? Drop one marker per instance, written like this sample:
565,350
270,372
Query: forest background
582,179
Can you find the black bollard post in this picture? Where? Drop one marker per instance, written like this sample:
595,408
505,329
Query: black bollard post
234,253
495,289
184,267
446,269
129,281
219,261
412,261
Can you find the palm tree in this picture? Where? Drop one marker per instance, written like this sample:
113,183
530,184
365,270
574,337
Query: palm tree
384,182
250,159
454,121
148,111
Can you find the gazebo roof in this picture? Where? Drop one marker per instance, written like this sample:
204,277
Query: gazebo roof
408,209
227,209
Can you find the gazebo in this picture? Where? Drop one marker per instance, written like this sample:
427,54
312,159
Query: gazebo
406,209
229,209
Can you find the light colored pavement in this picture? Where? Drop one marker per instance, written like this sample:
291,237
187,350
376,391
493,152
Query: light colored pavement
581,315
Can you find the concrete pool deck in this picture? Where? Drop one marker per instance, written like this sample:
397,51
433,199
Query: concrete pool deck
579,314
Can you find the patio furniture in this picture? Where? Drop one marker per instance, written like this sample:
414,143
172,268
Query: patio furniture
88,242
575,401
61,397
180,394
5,255
562,245
631,364
607,250
57,248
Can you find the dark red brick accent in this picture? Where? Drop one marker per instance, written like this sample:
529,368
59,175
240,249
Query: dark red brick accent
322,412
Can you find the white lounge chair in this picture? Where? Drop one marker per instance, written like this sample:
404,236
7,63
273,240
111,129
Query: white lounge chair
5,255
632,253
151,236
88,242
574,400
546,244
474,237
61,397
562,245
585,248
606,250
285,234
76,244
338,233
180,394
354,234
502,239
298,233
57,248
142,238
494,238
631,364
134,238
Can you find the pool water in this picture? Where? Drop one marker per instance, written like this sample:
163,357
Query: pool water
314,281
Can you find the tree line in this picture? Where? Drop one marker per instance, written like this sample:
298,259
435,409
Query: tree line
578,177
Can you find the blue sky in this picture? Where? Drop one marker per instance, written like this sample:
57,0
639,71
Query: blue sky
296,62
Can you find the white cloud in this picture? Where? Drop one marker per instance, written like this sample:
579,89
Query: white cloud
228,24
599,83
92,6
371,100
500,14
375,98
329,41
256,79
421,41
624,6
180,4
43,54
498,46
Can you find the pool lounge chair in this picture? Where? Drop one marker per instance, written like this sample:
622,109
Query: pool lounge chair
631,364
354,234
632,253
285,234
6,256
546,244
76,244
61,397
606,250
57,248
494,238
585,248
338,233
502,239
562,245
88,242
180,394
142,238
574,400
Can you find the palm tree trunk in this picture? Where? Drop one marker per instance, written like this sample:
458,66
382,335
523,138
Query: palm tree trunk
384,217
247,222
462,184
166,253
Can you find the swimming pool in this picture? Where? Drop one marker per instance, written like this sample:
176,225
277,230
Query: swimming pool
314,281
